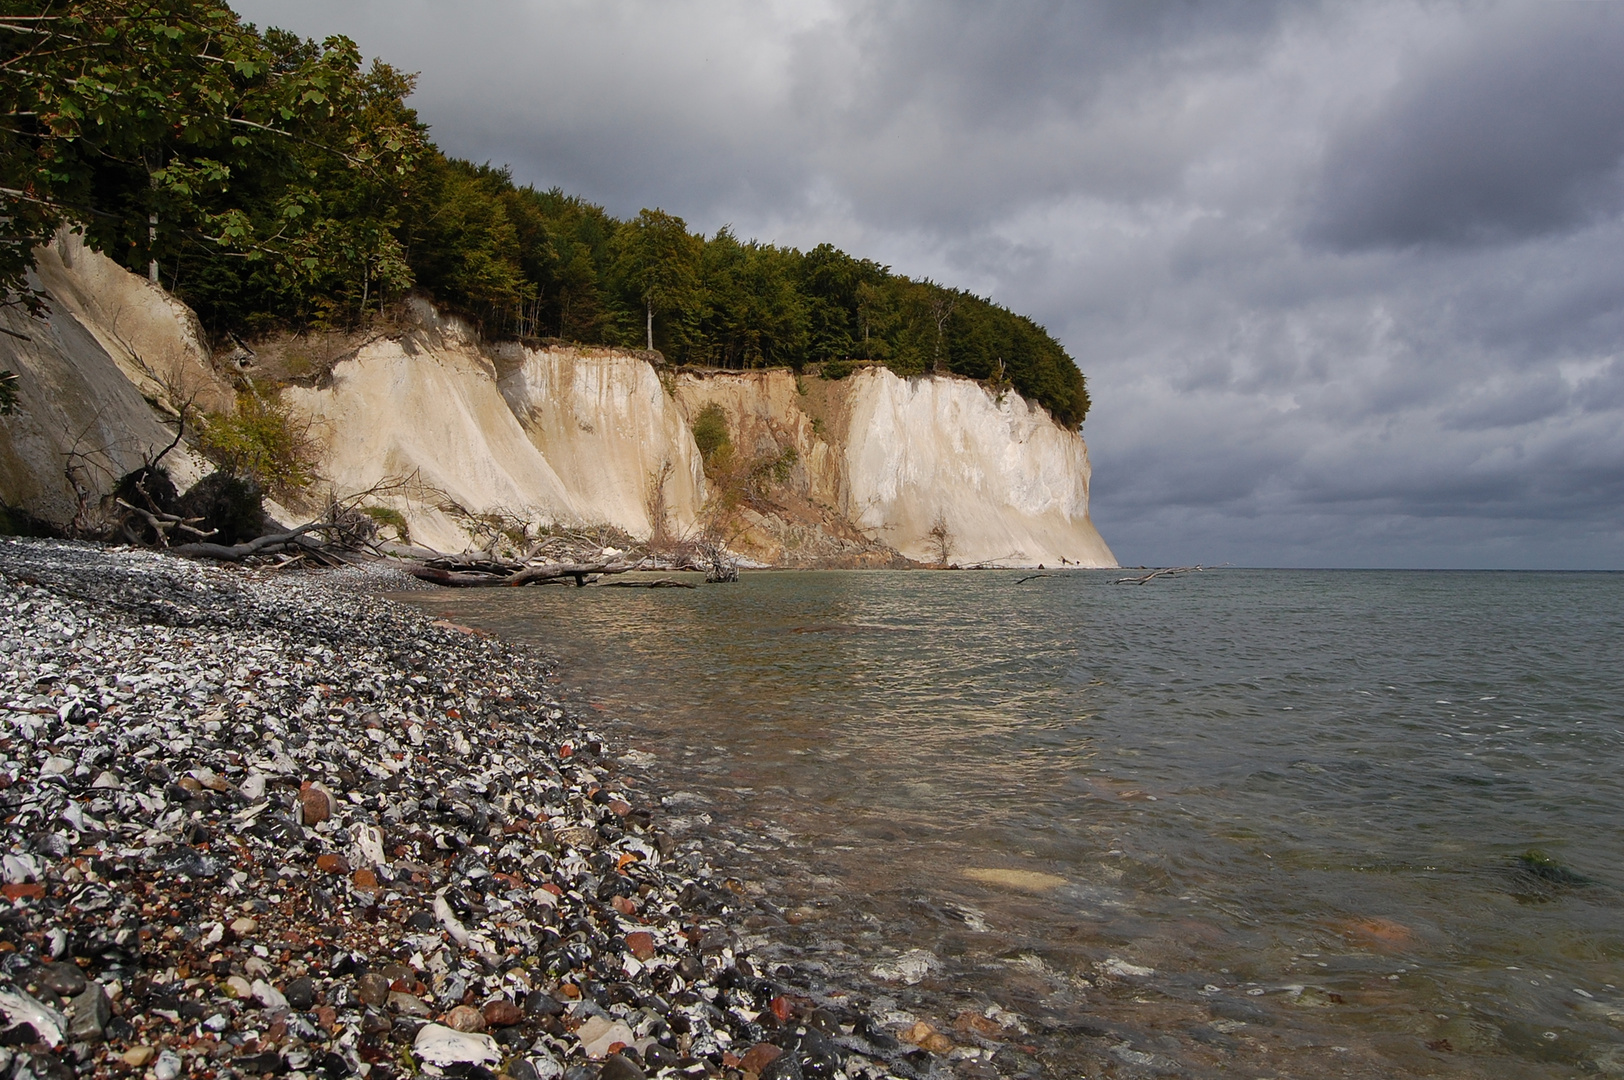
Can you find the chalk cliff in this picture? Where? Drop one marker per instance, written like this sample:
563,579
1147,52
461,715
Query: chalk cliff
423,407
605,422
896,457
819,472
1009,485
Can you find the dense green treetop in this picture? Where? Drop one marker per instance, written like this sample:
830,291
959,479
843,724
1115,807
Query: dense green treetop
273,182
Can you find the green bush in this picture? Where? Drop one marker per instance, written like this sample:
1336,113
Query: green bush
784,464
262,443
388,516
710,435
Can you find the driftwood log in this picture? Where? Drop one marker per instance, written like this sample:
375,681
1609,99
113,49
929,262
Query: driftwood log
265,545
518,575
657,583
1169,571
453,571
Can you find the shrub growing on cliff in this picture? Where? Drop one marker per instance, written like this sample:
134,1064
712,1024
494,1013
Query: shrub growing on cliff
710,435
779,466
390,518
262,443
941,539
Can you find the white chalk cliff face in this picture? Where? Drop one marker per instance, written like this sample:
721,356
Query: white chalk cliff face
567,435
609,429
554,436
1009,485
424,409
894,455
588,436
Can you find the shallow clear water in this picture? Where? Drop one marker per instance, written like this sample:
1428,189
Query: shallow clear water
1300,797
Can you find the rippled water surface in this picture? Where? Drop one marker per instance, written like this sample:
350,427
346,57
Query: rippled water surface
1356,823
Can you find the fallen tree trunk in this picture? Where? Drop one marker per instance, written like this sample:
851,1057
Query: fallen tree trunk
657,583
528,575
264,545
456,579
578,571
1170,571
450,571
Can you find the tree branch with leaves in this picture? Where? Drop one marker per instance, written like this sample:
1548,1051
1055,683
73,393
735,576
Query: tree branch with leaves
168,128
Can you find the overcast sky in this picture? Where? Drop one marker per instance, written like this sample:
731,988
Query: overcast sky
1347,281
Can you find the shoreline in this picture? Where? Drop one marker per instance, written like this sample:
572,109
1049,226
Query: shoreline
273,823
801,791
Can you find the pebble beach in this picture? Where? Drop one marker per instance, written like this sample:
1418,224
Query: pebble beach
270,823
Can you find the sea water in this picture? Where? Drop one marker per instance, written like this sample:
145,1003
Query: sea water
1320,822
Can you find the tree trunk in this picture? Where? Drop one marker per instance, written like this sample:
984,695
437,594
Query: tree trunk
152,227
650,326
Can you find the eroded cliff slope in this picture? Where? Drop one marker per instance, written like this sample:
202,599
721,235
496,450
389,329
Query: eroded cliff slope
112,356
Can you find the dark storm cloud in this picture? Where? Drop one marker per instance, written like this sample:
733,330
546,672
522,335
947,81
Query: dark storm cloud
1345,279
950,114
1517,130
926,113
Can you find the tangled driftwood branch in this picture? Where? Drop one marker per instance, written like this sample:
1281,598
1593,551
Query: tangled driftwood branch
162,524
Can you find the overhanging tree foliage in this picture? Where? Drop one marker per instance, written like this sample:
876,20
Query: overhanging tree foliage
262,169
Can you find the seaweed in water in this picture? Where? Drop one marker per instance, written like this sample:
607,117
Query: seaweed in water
1536,862
1540,878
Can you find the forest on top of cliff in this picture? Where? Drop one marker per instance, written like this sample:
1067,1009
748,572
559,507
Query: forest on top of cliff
276,183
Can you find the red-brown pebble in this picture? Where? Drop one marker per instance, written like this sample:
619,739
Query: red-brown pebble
502,1013
465,1018
641,944
314,804
759,1056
